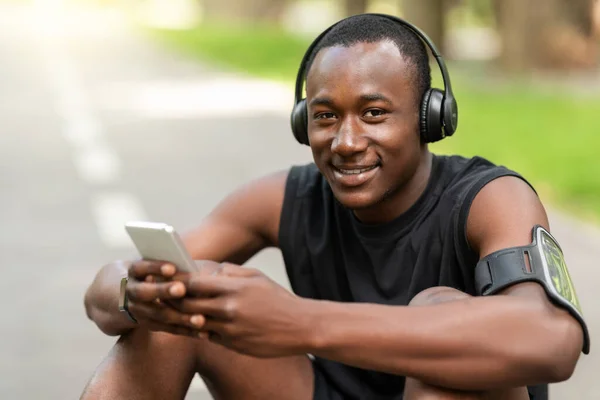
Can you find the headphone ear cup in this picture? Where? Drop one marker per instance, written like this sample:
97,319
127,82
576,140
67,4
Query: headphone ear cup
450,115
300,122
431,116
423,115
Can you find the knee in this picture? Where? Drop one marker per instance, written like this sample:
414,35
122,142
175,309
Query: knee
436,295
417,390
144,365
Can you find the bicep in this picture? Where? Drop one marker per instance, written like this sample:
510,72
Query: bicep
242,224
502,216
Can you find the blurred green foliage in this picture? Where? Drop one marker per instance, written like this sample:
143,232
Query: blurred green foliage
478,11
263,51
550,137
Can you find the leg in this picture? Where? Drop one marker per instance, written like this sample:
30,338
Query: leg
417,390
149,365
144,365
230,375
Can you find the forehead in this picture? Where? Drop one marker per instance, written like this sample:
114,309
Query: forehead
362,66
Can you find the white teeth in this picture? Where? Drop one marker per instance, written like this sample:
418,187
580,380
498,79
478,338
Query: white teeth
355,171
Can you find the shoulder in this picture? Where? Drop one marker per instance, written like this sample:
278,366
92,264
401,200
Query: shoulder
463,171
503,214
492,206
253,207
464,178
242,223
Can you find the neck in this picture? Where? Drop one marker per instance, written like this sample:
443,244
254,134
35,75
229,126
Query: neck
402,198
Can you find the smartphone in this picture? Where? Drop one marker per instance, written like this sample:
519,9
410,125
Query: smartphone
160,242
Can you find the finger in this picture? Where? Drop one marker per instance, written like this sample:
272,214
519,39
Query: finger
141,268
211,307
210,285
162,314
212,330
144,291
153,279
173,329
214,327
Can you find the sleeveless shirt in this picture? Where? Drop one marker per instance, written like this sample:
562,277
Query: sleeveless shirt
330,255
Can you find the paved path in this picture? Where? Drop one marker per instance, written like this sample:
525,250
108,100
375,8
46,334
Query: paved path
99,126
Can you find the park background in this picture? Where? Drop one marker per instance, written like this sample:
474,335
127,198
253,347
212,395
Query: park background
538,57
155,109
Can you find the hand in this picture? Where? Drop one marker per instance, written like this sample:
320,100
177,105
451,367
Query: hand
244,310
151,289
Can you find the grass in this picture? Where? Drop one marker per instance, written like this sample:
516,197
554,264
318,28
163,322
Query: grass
549,137
552,140
261,51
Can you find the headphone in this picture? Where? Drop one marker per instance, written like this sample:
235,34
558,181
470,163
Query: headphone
439,111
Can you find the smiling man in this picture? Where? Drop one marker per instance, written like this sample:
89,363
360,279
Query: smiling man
416,276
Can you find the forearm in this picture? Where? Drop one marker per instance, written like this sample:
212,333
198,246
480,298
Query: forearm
102,300
472,344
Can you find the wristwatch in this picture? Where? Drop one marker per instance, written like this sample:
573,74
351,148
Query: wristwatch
123,300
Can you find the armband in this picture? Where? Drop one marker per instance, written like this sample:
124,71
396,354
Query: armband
542,261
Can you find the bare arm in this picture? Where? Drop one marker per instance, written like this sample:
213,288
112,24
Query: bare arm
102,299
514,339
244,223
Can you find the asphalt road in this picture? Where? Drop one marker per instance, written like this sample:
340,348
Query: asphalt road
99,126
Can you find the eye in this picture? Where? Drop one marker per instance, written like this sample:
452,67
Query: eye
375,112
324,115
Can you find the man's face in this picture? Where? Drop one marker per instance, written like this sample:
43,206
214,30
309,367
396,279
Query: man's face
363,122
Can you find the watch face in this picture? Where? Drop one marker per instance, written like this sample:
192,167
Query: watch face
557,269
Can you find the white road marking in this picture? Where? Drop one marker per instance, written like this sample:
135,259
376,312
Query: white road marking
111,211
97,165
94,160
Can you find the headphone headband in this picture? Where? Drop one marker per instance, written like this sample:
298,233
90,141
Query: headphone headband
414,29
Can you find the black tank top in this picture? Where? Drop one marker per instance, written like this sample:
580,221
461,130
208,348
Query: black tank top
330,255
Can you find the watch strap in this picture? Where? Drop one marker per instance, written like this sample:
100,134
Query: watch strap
123,300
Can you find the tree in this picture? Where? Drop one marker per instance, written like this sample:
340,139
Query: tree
353,7
546,34
248,11
428,15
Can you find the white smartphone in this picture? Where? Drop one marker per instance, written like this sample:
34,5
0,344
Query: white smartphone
160,242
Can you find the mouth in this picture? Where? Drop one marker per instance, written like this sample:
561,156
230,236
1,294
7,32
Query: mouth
354,176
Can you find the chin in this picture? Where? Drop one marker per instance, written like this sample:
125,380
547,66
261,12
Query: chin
356,201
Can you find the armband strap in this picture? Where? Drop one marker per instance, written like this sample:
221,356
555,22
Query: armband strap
541,262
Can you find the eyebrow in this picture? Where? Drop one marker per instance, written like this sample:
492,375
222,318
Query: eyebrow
375,97
328,101
321,101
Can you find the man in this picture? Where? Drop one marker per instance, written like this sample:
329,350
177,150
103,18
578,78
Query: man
381,240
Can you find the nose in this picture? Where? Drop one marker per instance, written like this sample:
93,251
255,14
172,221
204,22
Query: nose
349,139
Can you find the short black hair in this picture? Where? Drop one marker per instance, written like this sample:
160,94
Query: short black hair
367,28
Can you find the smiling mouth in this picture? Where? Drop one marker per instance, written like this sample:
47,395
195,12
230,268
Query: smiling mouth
352,177
355,171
